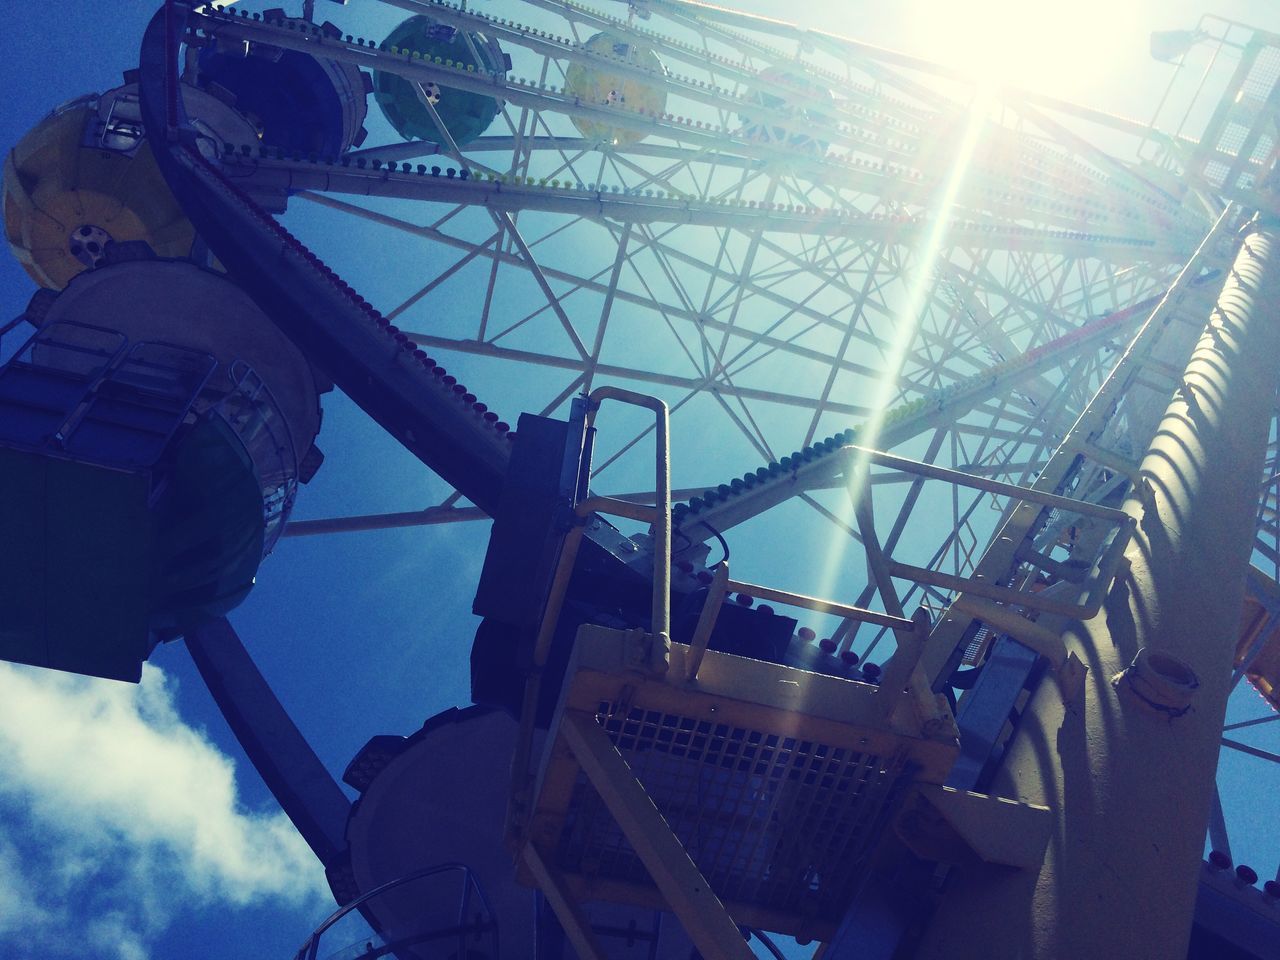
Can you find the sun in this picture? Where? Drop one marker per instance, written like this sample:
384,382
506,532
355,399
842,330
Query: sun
1068,50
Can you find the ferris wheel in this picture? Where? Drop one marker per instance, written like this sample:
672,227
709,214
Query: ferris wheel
882,306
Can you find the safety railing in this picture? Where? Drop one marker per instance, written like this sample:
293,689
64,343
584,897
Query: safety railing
471,931
721,586
655,653
253,413
120,130
1098,579
77,349
659,515
87,393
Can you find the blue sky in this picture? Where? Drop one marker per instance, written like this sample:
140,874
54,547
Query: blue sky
130,824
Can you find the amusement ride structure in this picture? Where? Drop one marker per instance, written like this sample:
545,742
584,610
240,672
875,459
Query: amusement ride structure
986,381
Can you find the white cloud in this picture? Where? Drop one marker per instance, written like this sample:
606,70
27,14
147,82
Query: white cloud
18,907
113,811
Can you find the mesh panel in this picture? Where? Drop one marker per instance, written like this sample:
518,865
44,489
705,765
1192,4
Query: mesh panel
1248,111
1264,74
976,647
1216,172
772,821
1232,138
1262,149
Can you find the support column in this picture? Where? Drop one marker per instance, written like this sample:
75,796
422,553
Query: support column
1129,778
305,790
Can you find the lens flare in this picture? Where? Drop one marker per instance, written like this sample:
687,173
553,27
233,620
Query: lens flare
923,261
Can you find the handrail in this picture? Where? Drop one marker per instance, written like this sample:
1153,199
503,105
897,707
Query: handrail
659,515
660,626
1098,580
821,605
309,948
986,484
707,620
721,585
267,437
661,622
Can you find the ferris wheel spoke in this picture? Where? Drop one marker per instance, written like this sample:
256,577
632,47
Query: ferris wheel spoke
491,283
1004,470
440,236
773,298
619,371
831,517
627,445
1029,437
912,495
1269,718
576,385
997,432
845,340
428,516
743,421
749,429
829,278
759,439
1251,751
658,303
521,154
722,253
440,278
1267,539
740,363
739,287
606,308
621,165
720,369
534,142
1011,289
519,322
795,281
723,381
532,264
659,252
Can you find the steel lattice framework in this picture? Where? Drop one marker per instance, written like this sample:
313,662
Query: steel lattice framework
773,293
809,235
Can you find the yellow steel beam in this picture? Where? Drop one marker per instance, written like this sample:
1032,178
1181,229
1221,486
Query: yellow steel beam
562,901
677,877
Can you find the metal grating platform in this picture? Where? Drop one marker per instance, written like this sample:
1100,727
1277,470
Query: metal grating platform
777,822
776,783
1237,152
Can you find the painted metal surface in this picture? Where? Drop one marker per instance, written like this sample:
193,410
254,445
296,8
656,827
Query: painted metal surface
391,392
338,331
1131,787
305,790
